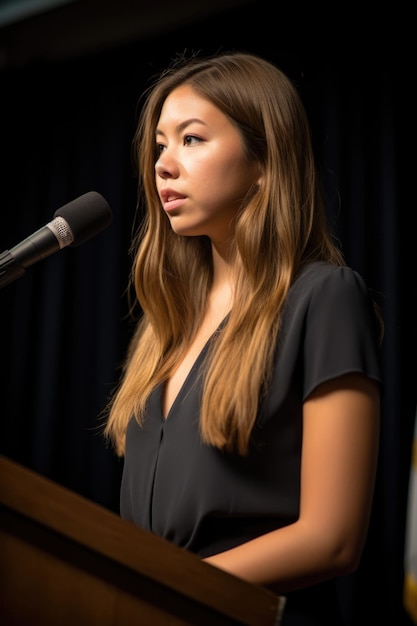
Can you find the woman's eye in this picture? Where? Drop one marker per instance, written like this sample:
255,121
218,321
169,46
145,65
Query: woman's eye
159,148
190,140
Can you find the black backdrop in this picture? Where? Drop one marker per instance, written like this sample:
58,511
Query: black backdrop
66,128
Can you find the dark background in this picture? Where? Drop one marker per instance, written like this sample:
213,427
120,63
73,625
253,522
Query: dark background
70,80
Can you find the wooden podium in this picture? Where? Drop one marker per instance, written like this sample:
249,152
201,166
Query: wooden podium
66,561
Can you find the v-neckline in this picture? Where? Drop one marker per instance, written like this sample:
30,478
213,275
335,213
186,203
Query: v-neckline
186,379
183,385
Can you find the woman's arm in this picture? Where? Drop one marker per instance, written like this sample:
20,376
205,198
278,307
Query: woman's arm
339,457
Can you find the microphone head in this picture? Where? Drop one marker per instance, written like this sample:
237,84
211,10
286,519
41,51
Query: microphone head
86,216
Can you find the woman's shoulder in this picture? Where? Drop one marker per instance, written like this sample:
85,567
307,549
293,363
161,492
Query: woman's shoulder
320,271
331,317
330,292
321,278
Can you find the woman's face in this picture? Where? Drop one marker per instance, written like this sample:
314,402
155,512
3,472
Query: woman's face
202,173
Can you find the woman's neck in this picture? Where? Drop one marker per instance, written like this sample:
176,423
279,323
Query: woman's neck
221,292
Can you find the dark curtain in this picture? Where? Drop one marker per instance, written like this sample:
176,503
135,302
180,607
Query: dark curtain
66,128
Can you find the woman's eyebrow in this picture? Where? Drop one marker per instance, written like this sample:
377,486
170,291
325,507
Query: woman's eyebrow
182,125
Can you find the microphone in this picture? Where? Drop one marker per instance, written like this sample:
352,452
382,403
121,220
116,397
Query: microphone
73,224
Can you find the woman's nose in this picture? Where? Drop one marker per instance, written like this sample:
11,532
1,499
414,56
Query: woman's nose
166,166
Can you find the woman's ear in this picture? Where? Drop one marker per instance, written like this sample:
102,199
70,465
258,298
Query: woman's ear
260,180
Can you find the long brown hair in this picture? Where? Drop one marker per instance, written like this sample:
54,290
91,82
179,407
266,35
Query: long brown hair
281,227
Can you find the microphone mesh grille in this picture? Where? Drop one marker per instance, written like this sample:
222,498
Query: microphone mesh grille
62,231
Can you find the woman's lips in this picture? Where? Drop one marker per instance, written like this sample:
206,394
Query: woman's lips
171,200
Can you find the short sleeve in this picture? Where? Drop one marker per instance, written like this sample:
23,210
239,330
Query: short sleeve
341,330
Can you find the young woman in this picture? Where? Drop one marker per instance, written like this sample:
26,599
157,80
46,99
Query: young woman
248,410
